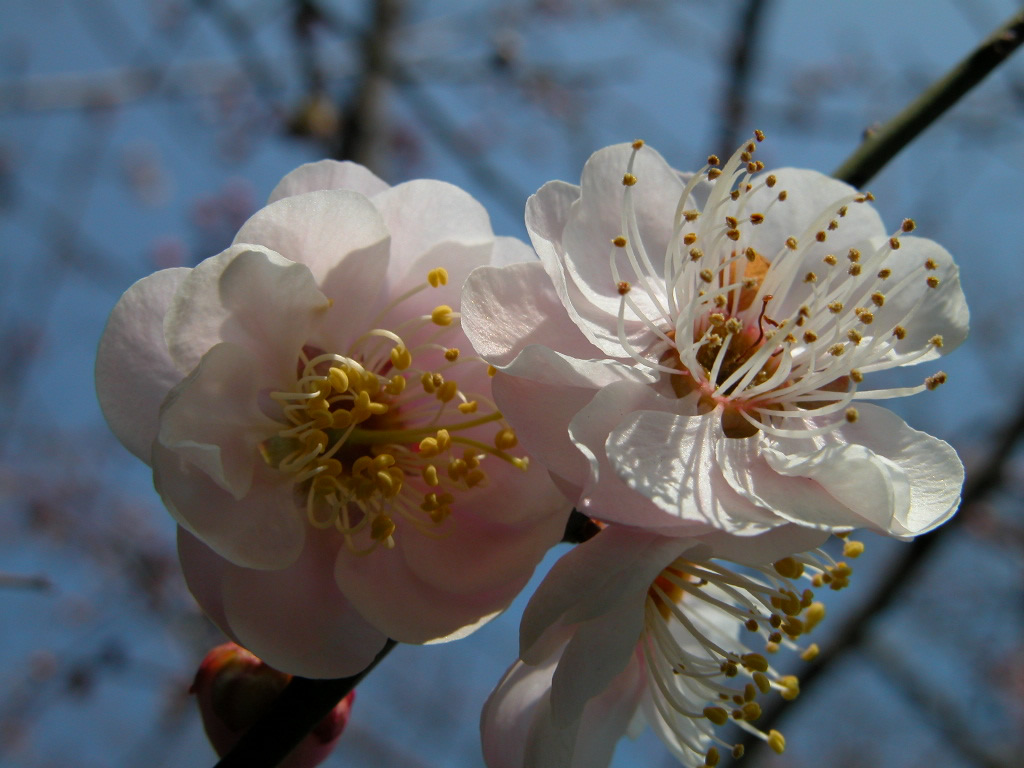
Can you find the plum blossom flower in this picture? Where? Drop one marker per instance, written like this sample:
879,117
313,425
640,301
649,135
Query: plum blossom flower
692,353
633,627
320,428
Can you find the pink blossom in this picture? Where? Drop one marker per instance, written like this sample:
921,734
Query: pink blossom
693,353
320,428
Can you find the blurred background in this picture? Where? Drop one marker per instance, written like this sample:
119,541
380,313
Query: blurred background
139,134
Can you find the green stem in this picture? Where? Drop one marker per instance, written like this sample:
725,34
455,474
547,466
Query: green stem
885,143
301,705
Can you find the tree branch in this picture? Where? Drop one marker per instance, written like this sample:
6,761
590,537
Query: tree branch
885,143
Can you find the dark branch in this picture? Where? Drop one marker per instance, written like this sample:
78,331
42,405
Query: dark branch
744,54
885,143
298,709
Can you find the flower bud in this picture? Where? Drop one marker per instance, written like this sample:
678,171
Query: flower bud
234,689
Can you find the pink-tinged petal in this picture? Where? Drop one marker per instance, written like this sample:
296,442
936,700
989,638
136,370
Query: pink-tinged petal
511,250
496,534
540,414
608,495
507,309
609,568
598,652
521,699
328,174
319,229
213,418
262,530
931,467
249,296
794,498
923,311
607,717
294,619
672,460
391,597
424,214
134,370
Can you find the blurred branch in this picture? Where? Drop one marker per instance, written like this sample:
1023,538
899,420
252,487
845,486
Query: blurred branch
882,145
901,573
301,705
19,581
744,54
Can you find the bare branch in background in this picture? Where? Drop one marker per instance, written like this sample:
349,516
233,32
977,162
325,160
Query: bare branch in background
741,61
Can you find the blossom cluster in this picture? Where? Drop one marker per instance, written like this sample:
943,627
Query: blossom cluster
370,419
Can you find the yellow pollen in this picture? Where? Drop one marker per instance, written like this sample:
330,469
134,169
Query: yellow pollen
696,254
712,757
713,174
691,215
339,379
791,242
751,710
811,652
437,277
854,335
733,234
932,281
790,687
776,741
759,135
934,382
831,260
735,194
755,662
936,341
713,160
623,288
866,316
707,275
856,375
820,236
619,242
470,406
441,315
492,371
852,414
451,355
430,476
810,337
756,218
731,222
783,195
716,715
770,181
628,180
853,549
908,225
382,528
689,238
899,332
854,269
884,274
836,350
505,439
638,144
788,568
894,243
447,391
930,264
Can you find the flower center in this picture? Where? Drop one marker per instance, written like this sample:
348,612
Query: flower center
700,673
759,336
375,436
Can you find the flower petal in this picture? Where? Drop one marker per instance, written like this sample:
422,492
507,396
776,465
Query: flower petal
252,297
328,174
134,370
213,417
672,460
262,530
511,250
319,229
294,619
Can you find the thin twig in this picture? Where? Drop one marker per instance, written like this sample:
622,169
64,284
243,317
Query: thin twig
885,143
744,54
301,705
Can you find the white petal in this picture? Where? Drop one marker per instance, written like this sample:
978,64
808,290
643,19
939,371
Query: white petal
318,229
672,460
251,297
328,174
213,417
608,496
134,371
263,530
511,250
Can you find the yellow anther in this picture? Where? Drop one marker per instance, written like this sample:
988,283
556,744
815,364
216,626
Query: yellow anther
689,238
638,144
853,549
783,195
429,447
934,382
936,341
713,174
707,275
396,385
733,234
810,652
791,242
820,236
713,160
716,715
401,357
381,528
754,662
427,380
899,332
854,335
712,757
776,741
456,468
628,179
751,710
878,298
851,415
931,264
810,337
442,315
474,477
885,273
383,461
894,243
623,287
330,467
339,379
792,626
908,225
836,350
750,691
756,218
468,407
855,269
830,259
447,391
932,281
505,439
737,751
788,568
762,682
492,371
430,476
437,277
451,354
619,242
696,254
790,687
